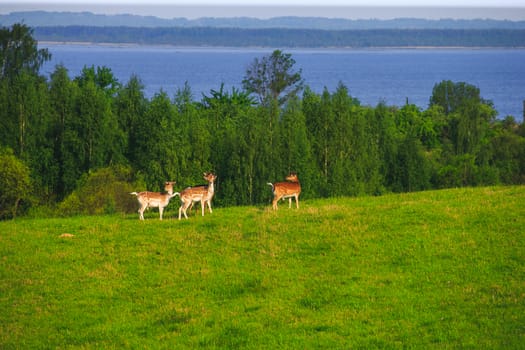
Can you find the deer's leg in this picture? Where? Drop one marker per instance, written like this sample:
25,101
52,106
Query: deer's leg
182,204
297,201
161,209
274,202
141,211
183,208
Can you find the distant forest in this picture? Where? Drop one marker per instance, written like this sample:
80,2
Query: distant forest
46,19
280,37
284,32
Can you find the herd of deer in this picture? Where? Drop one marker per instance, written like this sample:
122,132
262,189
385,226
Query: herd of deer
204,195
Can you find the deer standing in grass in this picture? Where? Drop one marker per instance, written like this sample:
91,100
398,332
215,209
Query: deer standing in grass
286,189
154,199
203,194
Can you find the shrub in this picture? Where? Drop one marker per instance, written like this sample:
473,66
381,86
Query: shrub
104,191
14,184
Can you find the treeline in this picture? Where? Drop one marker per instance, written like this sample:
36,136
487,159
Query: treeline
48,18
280,37
80,144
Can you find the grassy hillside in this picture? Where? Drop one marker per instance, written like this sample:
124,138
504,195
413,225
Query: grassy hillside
424,270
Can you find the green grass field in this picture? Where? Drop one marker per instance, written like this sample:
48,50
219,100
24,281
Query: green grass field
429,270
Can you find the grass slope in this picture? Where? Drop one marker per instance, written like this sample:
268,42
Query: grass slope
423,270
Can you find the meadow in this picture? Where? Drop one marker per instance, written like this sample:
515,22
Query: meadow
426,270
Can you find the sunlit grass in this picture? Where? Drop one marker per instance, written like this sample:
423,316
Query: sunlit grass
424,270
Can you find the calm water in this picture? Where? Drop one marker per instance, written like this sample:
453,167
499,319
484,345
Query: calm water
372,76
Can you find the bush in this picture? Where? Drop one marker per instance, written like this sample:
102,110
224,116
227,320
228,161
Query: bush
15,184
105,191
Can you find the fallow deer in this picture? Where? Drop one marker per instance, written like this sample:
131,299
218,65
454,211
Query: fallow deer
154,199
286,189
203,194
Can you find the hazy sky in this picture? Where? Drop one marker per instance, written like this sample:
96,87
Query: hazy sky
382,9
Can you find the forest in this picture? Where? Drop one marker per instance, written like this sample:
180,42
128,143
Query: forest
79,145
85,18
283,37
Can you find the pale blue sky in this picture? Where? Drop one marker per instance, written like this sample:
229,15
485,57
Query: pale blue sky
354,9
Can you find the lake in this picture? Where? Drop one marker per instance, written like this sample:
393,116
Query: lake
371,75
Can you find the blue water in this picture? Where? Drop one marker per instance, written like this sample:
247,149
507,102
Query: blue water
372,76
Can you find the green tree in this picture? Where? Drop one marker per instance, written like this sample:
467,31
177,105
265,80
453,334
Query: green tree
466,138
508,151
265,145
320,123
273,77
452,96
344,173
158,156
103,77
19,52
39,143
24,112
92,136
130,106
367,142
192,137
431,128
224,105
387,138
24,108
296,150
352,151
25,127
226,112
62,93
15,183
94,113
103,191
469,115
342,142
237,165
411,171
472,122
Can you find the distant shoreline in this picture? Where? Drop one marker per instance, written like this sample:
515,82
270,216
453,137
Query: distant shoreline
208,47
284,38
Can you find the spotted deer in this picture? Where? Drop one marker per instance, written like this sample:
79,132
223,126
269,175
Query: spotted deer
287,189
203,194
148,199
